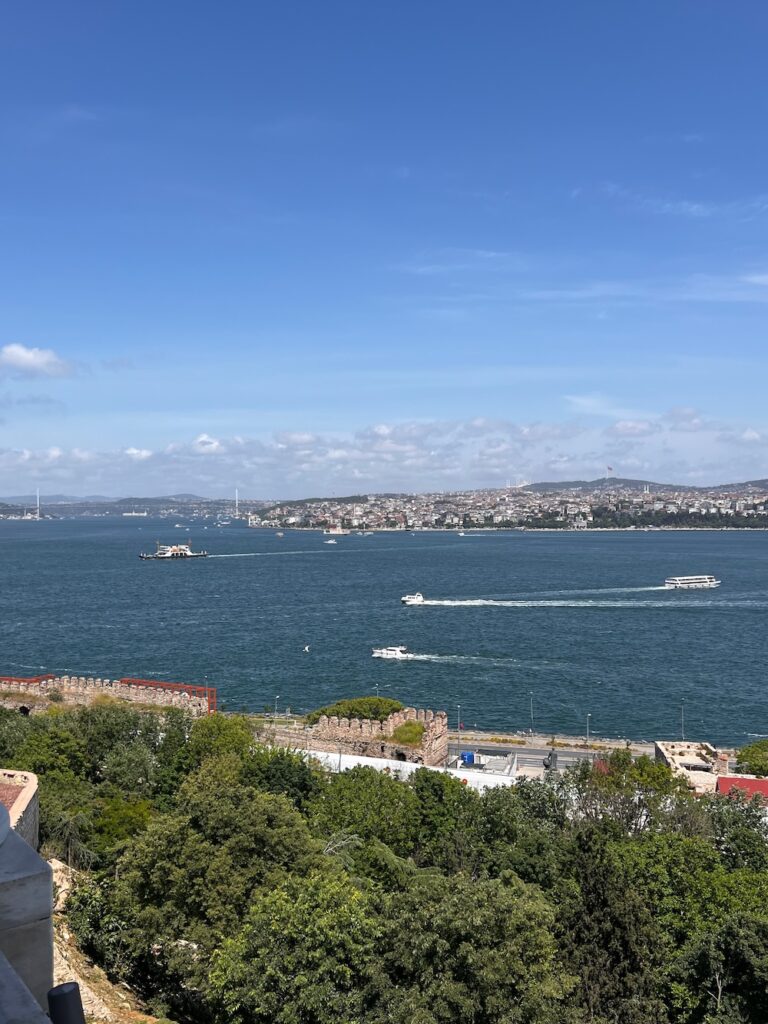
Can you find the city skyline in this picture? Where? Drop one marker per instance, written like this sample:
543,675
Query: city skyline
318,250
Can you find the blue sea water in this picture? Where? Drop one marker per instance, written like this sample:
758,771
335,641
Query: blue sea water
576,620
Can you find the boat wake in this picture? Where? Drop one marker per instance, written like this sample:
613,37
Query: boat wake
587,603
263,554
458,659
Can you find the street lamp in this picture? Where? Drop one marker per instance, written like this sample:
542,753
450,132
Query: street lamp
377,689
277,698
589,715
531,696
458,728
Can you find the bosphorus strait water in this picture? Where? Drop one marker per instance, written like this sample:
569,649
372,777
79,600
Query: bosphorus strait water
579,620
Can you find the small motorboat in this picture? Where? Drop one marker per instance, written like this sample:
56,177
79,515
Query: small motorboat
412,598
392,653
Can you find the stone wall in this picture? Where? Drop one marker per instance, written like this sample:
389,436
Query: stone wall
370,738
83,690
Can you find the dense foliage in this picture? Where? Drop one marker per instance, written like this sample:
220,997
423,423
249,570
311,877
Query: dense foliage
378,709
754,759
229,882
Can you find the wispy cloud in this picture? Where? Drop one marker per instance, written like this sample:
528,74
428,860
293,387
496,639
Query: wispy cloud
464,261
696,209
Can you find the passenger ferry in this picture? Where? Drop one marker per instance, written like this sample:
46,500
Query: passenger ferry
393,653
165,551
412,598
691,583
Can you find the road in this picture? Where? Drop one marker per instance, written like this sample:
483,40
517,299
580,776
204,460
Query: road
527,757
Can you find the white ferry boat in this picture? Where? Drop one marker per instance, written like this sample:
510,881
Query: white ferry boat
691,583
412,598
166,551
393,653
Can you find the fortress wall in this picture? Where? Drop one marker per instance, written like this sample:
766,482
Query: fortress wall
84,689
371,738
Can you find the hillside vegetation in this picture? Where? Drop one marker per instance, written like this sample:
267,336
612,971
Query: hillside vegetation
229,883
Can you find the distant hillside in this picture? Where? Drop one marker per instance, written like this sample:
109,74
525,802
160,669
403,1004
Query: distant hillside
163,500
612,482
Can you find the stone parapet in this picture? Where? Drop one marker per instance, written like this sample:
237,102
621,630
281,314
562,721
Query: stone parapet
199,700
370,738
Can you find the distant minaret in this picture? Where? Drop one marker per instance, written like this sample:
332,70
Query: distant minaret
237,503
38,502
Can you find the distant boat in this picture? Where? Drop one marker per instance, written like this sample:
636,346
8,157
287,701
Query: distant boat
416,598
691,583
279,533
329,542
166,552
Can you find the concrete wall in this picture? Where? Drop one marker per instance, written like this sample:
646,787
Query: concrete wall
26,903
370,738
83,690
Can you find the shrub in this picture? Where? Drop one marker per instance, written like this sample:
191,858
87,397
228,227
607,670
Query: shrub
409,733
376,708
55,696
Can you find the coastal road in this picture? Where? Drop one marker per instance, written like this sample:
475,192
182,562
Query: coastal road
527,757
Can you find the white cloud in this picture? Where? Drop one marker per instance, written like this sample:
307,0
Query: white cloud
21,361
681,445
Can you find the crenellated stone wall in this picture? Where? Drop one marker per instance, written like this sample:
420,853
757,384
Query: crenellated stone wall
370,738
83,690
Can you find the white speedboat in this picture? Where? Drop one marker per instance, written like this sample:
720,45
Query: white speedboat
393,653
329,542
412,598
691,583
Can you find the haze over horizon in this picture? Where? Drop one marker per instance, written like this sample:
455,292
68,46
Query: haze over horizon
316,249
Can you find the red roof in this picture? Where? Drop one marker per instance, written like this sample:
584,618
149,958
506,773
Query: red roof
752,787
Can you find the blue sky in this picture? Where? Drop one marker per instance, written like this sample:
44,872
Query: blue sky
334,247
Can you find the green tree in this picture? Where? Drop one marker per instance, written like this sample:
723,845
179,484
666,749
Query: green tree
753,759
457,950
370,804
277,770
635,793
612,942
187,880
218,734
447,821
50,749
726,971
523,829
303,956
130,768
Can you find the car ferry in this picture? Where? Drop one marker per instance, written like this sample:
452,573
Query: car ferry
167,551
691,583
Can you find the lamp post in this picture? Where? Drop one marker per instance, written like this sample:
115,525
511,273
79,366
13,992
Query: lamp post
377,689
589,715
458,729
531,696
277,698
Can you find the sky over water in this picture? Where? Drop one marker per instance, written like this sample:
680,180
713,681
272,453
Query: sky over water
341,247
